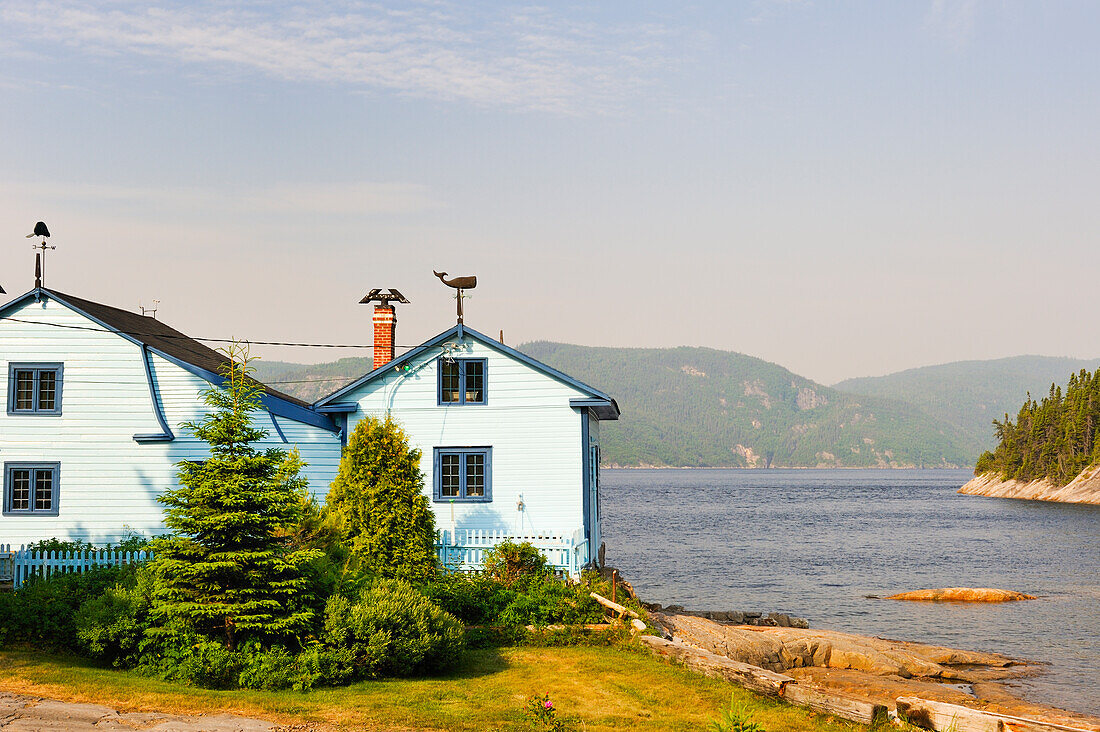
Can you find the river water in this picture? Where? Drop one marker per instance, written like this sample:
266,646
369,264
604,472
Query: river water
815,543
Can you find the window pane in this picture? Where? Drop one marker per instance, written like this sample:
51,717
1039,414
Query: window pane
20,489
449,381
448,476
43,490
47,390
475,381
24,391
475,475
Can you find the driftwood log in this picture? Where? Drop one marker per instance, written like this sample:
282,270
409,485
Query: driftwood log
768,683
710,664
636,624
935,715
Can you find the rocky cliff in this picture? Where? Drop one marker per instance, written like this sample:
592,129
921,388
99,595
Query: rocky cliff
1085,488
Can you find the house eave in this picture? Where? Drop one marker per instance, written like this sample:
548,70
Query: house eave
601,409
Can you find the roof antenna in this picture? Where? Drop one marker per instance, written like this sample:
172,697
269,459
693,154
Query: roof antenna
460,284
151,312
43,233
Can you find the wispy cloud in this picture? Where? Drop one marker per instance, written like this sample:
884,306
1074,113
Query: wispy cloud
527,57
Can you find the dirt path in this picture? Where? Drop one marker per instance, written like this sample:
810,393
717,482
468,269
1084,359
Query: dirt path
19,712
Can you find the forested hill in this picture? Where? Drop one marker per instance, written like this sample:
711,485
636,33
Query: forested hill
311,381
702,407
971,394
1054,438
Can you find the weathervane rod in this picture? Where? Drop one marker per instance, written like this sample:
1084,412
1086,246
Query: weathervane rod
460,284
43,233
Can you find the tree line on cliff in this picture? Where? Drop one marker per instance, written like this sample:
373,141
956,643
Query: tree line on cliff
1054,438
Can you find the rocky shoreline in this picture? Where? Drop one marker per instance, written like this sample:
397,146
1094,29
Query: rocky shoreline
1085,488
853,675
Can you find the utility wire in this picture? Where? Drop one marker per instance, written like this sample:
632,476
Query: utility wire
181,337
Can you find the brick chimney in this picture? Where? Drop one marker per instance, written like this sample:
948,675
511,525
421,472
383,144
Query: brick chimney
385,328
385,322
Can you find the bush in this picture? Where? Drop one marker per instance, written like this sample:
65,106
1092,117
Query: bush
547,600
378,497
111,627
514,564
393,630
318,665
44,610
475,599
270,669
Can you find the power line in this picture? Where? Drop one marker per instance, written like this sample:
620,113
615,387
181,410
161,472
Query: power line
136,334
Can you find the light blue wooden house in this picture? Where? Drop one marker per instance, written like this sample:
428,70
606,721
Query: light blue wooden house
511,447
91,433
96,396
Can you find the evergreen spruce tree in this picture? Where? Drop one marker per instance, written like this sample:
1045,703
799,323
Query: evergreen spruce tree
227,569
379,496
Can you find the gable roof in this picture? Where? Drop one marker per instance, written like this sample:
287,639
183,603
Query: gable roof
603,405
173,345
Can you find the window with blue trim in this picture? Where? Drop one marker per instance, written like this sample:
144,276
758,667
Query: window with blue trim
462,380
34,388
463,474
31,488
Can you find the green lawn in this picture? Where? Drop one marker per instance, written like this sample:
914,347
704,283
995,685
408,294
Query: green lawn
605,688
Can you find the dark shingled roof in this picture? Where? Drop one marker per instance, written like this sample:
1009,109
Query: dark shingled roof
163,338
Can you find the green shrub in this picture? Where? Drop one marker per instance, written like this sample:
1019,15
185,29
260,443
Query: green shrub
475,599
111,627
210,665
546,600
43,611
378,498
318,665
514,564
393,630
270,669
538,599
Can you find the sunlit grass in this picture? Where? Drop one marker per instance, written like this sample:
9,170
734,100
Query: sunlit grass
605,688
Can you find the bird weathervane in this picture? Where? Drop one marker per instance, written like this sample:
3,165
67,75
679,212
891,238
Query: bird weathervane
460,284
43,234
385,298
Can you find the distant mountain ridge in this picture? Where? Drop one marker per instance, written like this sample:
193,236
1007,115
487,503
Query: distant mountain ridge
971,394
700,407
707,408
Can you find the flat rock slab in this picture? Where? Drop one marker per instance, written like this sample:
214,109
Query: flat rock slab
962,594
19,712
783,649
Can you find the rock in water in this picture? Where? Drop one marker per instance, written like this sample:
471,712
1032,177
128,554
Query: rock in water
962,594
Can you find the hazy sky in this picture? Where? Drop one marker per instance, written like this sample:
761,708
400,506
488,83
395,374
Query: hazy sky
843,188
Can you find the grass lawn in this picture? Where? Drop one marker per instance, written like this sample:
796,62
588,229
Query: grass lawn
605,688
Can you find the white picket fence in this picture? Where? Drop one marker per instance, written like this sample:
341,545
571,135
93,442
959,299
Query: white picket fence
463,550
16,565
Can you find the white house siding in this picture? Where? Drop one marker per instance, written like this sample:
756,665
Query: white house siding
534,433
108,482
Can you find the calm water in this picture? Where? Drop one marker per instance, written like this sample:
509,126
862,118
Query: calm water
813,543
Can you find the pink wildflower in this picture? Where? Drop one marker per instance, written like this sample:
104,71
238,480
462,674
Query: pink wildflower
549,704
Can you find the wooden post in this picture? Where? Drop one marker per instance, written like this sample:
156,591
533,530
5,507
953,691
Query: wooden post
614,583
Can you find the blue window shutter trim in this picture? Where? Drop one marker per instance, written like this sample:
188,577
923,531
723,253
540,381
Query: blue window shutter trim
460,364
462,452
36,369
33,469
